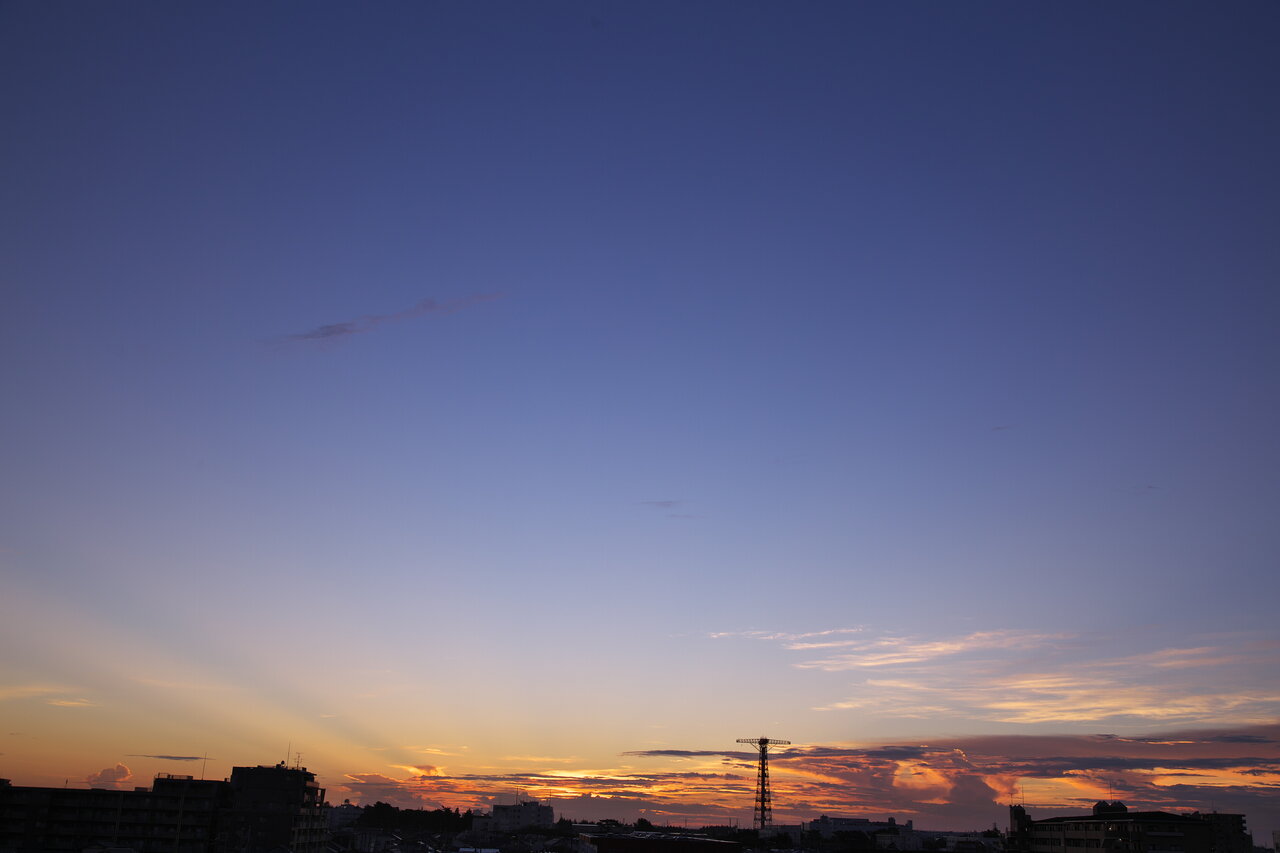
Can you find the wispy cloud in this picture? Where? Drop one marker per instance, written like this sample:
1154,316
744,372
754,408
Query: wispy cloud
169,757
895,651
419,770
693,753
790,640
369,322
1031,678
30,691
436,750
1063,698
73,703
1072,693
1175,658
179,684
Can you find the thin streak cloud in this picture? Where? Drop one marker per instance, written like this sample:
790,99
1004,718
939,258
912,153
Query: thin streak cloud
370,322
793,640
29,691
890,651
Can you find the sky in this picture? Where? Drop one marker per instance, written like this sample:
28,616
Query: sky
472,400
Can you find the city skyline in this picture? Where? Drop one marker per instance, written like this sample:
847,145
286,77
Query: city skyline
944,782
475,398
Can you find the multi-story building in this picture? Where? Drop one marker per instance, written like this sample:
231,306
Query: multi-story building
827,827
1112,827
273,808
260,809
528,814
1230,832
177,814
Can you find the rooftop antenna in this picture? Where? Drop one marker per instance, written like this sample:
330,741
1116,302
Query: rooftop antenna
204,763
764,800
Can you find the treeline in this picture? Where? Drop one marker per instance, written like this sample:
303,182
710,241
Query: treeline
386,816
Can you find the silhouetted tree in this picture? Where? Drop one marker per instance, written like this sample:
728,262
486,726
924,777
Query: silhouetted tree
385,816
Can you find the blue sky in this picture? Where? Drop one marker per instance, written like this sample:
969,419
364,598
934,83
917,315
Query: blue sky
484,352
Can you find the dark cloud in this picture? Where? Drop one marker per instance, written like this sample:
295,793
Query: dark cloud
330,330
169,757
687,753
369,322
1194,742
968,782
375,787
633,794
1062,765
948,784
631,808
1184,739
892,753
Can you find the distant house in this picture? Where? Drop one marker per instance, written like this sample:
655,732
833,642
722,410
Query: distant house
344,815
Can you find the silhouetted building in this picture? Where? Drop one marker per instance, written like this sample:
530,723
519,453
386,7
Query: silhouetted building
259,810
937,841
177,814
1112,827
274,808
1230,832
827,827
343,815
512,818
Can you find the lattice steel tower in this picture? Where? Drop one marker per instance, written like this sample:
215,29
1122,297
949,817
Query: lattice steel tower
764,801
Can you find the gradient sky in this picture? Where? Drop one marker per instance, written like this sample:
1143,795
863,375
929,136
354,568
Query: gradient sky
476,397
